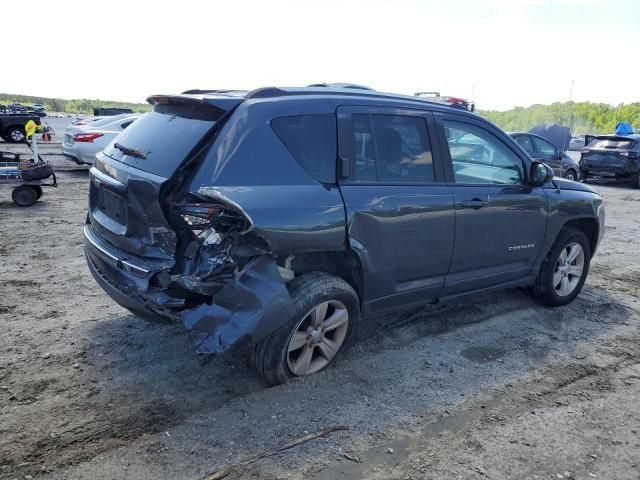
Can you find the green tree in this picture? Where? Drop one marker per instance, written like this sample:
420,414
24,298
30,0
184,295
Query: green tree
581,117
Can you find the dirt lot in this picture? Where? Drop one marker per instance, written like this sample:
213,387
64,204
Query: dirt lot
492,387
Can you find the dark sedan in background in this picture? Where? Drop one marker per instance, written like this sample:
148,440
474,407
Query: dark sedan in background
544,151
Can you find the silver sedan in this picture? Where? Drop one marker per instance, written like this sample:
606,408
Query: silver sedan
81,143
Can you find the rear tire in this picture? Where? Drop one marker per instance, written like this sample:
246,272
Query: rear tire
24,196
635,180
564,269
284,351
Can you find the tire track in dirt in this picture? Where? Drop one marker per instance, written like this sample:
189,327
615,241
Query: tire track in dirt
548,389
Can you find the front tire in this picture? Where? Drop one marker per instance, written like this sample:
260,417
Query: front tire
325,324
571,175
24,196
635,180
15,134
564,270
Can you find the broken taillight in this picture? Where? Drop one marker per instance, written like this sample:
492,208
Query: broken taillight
86,137
197,215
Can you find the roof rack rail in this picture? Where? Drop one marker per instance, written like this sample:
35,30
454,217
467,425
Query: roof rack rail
198,91
271,92
340,85
266,92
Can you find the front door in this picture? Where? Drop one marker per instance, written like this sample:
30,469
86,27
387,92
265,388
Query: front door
547,153
500,219
399,209
524,140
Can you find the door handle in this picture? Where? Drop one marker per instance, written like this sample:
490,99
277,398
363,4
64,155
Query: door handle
475,203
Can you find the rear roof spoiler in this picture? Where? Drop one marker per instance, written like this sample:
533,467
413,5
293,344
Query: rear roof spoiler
219,102
617,137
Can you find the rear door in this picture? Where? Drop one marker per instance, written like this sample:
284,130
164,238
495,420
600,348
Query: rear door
500,219
399,210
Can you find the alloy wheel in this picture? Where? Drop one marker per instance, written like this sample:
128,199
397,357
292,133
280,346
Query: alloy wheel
317,338
17,135
568,269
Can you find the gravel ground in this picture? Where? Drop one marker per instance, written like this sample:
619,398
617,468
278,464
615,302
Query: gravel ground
494,386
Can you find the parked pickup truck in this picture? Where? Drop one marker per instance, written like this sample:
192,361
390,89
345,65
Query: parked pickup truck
12,125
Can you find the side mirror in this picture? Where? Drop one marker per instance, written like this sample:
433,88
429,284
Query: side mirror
540,174
559,155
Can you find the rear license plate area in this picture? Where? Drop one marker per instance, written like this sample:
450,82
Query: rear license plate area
112,205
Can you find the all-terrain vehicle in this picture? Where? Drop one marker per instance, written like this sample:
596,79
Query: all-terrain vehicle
281,218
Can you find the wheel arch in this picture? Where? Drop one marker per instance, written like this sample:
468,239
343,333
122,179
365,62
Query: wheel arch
587,225
343,264
13,126
575,170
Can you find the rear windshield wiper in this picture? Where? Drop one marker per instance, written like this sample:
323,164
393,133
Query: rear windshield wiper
130,151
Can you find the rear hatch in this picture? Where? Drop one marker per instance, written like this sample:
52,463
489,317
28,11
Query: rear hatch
607,153
131,176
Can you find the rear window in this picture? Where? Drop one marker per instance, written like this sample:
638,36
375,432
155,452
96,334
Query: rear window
163,137
311,140
608,143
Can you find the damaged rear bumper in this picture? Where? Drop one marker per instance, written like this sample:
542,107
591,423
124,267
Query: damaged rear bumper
253,303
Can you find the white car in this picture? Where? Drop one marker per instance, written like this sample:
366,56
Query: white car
82,142
83,123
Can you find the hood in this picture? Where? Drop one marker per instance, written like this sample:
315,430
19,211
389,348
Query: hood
556,134
563,184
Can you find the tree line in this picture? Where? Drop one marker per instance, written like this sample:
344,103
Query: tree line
581,117
83,105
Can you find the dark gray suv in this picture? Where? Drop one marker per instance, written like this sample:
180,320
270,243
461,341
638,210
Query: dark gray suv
278,219
612,156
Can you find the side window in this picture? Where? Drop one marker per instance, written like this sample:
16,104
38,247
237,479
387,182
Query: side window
544,147
479,157
391,149
525,142
126,124
311,140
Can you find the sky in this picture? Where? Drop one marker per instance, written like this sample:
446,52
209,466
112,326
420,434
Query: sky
499,53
